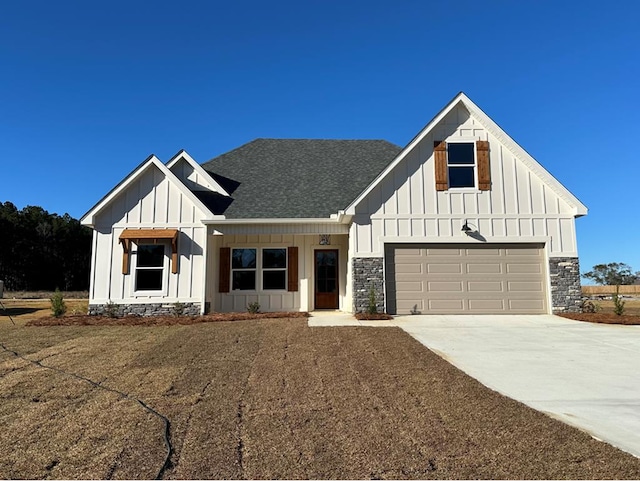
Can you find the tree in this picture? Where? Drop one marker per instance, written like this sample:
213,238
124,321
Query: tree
42,251
612,274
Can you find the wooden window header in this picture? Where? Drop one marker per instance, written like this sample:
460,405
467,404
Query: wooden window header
137,234
129,235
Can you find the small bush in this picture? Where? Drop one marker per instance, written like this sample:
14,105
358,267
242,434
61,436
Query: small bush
178,308
253,307
111,310
372,308
58,306
618,305
590,307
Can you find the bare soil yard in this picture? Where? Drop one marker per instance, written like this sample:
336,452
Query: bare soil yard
268,399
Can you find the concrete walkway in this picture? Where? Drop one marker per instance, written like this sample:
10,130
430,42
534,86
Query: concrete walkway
337,318
587,375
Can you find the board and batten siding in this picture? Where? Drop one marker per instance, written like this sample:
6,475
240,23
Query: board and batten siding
519,206
301,300
151,202
191,177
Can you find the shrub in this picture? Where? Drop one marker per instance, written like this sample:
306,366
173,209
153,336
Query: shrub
372,308
590,307
111,309
253,307
618,304
58,306
178,309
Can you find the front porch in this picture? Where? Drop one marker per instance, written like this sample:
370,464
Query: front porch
281,267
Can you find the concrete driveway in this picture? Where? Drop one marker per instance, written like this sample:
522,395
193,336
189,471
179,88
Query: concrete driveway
587,375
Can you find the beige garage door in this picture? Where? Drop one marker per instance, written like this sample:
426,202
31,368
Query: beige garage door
463,279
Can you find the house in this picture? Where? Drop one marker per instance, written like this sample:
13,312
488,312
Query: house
461,220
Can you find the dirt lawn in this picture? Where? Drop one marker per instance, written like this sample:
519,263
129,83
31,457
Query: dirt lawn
267,399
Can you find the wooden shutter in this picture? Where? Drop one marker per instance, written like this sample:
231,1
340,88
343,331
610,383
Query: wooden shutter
225,269
484,173
440,155
292,269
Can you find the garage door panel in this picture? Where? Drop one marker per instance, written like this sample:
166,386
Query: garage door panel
499,278
526,304
483,252
488,305
439,268
488,268
524,268
521,286
415,286
443,286
409,268
443,252
445,305
485,286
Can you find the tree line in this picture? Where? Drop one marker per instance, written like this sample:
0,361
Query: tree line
42,251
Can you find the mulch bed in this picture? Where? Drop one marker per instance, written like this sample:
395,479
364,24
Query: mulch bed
603,318
86,320
363,316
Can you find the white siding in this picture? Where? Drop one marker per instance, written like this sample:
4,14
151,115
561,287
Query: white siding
302,300
191,177
150,202
405,206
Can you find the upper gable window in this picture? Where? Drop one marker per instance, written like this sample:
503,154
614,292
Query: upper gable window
461,165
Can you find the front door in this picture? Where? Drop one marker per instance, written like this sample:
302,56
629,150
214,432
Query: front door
326,277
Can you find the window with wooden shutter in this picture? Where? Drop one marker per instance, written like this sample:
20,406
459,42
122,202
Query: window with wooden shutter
484,172
292,269
440,156
225,269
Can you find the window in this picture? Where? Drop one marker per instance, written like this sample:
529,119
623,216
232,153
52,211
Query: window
461,165
150,262
274,269
270,269
243,269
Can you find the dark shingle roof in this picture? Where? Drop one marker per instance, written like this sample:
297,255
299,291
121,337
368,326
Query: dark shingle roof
287,178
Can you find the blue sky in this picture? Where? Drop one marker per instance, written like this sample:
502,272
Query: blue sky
89,89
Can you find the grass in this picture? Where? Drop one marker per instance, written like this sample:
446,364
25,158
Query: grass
269,399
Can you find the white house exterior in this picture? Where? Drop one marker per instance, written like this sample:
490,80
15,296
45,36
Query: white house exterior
304,225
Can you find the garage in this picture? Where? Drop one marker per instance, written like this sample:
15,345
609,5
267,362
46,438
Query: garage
465,279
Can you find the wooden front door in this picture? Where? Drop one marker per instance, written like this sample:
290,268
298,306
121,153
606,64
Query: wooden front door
326,279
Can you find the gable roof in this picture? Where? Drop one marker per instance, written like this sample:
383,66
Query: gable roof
209,181
298,178
477,113
150,162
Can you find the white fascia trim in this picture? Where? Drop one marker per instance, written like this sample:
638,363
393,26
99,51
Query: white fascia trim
294,220
579,208
183,154
152,161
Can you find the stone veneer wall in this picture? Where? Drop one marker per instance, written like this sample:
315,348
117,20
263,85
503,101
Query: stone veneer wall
566,294
368,272
151,309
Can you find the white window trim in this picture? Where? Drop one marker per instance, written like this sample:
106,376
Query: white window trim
165,270
464,140
259,270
